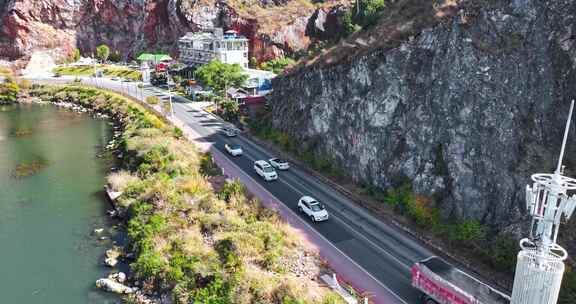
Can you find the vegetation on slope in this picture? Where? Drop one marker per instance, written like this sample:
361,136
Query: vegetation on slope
390,24
277,65
88,70
202,241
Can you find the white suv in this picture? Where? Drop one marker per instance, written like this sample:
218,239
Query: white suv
233,150
266,171
312,208
279,164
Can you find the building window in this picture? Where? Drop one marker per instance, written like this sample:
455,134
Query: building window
245,54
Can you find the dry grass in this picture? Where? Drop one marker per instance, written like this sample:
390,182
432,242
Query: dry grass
118,181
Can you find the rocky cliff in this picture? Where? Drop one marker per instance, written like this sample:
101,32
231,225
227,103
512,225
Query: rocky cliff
58,26
463,99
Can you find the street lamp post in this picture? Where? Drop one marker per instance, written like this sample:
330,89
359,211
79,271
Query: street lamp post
169,82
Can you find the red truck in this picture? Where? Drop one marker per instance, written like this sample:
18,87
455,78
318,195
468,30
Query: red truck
443,283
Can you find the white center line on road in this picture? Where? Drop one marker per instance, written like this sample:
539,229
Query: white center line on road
404,265
222,155
308,225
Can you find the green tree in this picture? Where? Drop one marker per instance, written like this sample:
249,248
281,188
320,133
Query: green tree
253,62
218,76
364,13
76,55
102,52
349,26
115,56
229,109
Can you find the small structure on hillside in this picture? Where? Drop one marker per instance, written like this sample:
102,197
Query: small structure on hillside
154,59
259,81
201,48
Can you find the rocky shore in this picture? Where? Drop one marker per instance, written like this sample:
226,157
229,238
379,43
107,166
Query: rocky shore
275,258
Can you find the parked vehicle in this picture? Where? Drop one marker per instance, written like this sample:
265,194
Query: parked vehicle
115,78
230,132
442,283
265,170
279,164
312,208
233,150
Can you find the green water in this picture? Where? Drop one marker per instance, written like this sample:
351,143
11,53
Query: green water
48,252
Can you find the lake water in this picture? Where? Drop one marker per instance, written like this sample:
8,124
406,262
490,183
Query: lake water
48,251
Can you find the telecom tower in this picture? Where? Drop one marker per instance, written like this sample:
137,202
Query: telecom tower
540,265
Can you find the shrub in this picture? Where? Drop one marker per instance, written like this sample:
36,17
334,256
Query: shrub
24,84
277,65
217,292
148,264
9,91
153,100
120,180
501,254
467,230
419,209
102,52
208,166
178,133
76,55
400,198
230,188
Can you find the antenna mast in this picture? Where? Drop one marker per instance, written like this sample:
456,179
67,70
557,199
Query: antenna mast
540,264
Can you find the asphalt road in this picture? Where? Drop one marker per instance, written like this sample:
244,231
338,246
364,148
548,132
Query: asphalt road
382,251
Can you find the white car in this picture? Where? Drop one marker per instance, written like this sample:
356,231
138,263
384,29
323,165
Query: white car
114,78
313,209
233,150
266,171
230,132
279,164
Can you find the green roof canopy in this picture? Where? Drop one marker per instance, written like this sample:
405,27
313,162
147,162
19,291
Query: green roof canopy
154,57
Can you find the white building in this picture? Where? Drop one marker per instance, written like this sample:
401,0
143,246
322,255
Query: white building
259,81
201,48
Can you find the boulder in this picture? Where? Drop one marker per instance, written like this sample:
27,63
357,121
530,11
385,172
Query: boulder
119,277
113,286
114,252
112,256
111,262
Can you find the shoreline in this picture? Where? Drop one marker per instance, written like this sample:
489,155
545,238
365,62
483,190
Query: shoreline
141,289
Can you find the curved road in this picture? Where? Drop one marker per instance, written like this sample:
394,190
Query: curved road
383,252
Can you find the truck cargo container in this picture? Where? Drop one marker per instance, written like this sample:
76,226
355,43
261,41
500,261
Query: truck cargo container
442,283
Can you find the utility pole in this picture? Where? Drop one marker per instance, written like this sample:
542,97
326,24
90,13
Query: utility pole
540,264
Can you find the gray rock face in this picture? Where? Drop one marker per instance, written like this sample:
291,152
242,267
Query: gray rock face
465,111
